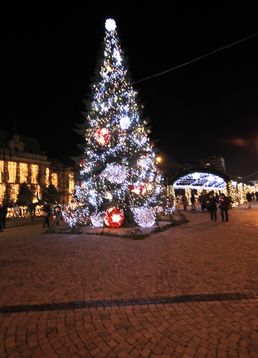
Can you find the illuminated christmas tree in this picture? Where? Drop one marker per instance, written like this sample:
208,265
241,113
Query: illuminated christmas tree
120,183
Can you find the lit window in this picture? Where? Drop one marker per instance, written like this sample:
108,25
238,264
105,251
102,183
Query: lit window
23,173
54,179
71,183
12,172
47,177
14,190
34,173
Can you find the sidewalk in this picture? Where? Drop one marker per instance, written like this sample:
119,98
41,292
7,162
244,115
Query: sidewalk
187,292
16,222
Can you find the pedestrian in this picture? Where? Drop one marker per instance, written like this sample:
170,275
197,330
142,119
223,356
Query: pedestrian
46,213
184,202
224,204
16,210
193,207
32,210
202,199
1,217
58,215
4,213
211,205
249,199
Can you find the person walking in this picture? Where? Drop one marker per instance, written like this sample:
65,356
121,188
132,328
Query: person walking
224,204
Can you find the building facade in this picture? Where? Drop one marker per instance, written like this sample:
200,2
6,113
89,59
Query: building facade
22,161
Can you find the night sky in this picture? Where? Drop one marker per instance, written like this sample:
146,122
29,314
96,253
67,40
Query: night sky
209,107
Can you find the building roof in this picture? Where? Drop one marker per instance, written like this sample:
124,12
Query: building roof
31,145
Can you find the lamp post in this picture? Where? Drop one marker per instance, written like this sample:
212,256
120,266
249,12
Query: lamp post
159,159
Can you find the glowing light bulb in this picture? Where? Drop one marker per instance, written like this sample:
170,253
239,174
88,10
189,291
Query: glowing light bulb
110,25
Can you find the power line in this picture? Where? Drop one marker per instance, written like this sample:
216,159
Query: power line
198,58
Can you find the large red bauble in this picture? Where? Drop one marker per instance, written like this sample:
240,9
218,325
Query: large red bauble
102,136
114,217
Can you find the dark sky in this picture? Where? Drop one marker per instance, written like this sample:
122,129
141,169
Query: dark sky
209,107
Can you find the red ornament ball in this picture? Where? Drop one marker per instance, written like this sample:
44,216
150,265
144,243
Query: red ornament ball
102,136
114,217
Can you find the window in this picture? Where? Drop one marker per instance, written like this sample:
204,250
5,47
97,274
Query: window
54,179
34,173
12,172
23,172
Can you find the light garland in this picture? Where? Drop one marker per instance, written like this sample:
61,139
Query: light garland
200,180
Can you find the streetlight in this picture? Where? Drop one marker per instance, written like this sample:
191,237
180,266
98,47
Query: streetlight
158,159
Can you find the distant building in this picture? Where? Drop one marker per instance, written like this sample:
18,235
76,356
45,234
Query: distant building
214,162
22,161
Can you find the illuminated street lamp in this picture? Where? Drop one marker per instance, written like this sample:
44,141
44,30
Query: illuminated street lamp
158,159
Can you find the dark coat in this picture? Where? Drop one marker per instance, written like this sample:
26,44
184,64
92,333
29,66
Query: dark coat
224,203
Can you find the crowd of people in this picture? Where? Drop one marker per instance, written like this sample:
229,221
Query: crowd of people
52,214
212,201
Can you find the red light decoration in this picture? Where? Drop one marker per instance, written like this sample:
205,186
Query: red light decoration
102,136
114,217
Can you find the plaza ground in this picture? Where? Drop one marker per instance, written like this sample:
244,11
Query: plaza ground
190,291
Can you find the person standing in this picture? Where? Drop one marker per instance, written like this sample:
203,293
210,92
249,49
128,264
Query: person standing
58,215
193,207
249,199
202,199
211,204
4,213
224,204
184,202
46,213
1,217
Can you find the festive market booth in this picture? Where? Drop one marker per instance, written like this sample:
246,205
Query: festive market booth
202,180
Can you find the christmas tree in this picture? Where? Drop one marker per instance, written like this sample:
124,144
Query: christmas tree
120,183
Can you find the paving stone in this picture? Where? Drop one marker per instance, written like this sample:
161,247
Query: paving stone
189,291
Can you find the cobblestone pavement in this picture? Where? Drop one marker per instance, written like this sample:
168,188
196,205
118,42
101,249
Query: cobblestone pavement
190,291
